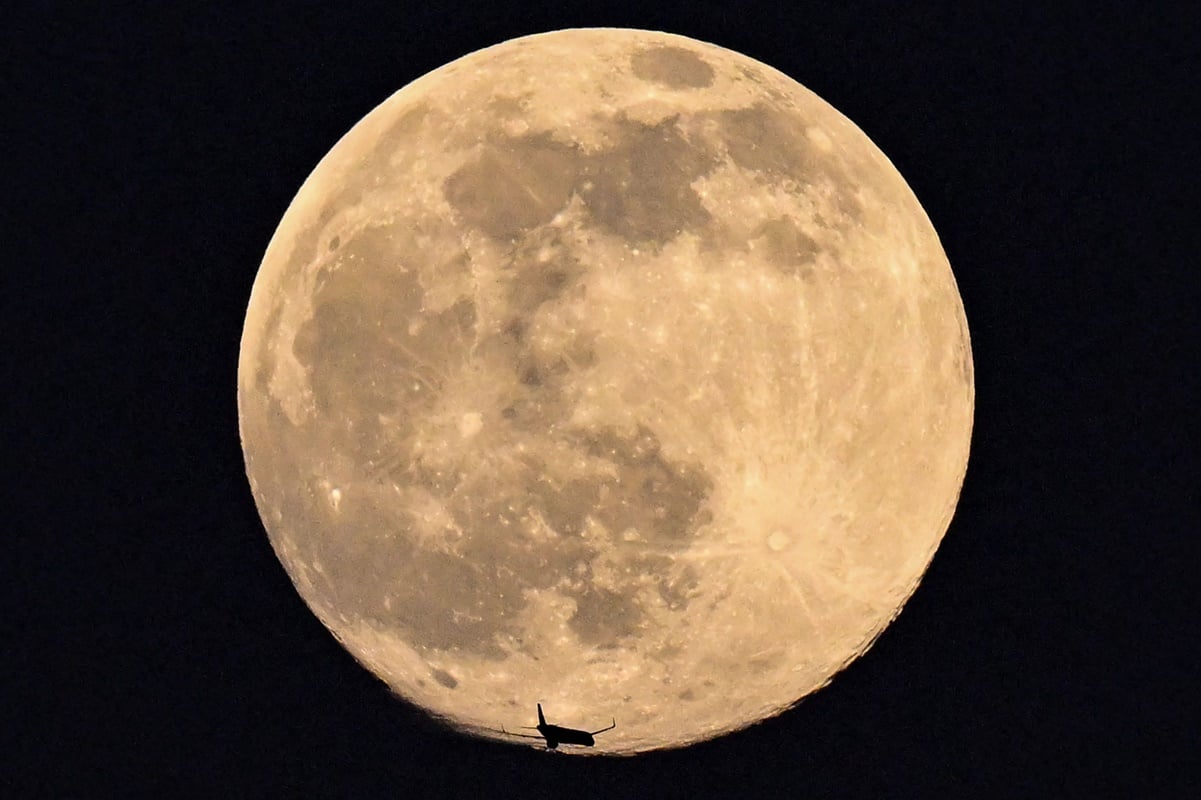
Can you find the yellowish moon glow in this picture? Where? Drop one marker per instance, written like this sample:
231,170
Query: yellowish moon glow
611,370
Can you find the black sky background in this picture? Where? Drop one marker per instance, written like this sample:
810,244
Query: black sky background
153,641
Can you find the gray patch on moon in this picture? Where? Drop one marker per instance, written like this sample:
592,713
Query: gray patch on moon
641,188
603,616
507,107
534,401
771,141
543,267
358,570
359,347
764,663
513,185
650,500
445,678
401,132
673,67
789,248
767,139
659,499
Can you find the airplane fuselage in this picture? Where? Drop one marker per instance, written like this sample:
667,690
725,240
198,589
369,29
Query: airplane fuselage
556,735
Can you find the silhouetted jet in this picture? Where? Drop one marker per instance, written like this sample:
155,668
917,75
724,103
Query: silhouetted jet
556,735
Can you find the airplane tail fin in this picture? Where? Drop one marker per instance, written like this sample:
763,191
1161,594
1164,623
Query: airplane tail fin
541,719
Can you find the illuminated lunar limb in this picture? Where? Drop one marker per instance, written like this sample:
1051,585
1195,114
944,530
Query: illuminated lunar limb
607,369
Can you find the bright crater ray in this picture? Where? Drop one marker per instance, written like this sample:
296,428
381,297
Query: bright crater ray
607,369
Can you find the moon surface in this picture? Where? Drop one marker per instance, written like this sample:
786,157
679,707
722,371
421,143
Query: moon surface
611,370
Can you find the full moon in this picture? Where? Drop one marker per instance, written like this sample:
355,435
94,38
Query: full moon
611,370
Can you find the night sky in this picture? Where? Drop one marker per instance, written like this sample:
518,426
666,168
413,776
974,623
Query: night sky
154,642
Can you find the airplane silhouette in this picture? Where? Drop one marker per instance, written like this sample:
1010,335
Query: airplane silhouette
556,735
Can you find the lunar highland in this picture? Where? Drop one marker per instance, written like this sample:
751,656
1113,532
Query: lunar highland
611,370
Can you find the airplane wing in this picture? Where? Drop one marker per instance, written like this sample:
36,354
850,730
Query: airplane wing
522,735
602,730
